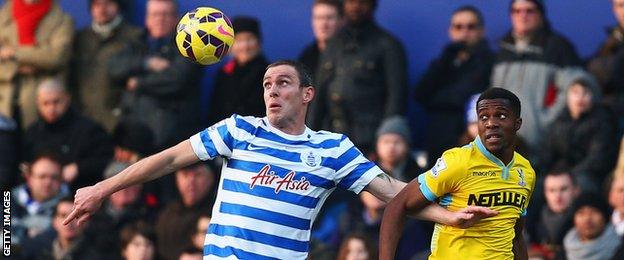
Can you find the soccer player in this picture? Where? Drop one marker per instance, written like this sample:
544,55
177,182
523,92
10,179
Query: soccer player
276,175
486,172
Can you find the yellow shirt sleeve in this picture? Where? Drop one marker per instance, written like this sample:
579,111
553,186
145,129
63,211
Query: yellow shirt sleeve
444,177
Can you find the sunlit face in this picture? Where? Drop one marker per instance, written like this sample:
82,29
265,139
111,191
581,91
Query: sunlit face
194,183
357,250
579,99
589,223
246,47
616,194
465,28
103,11
497,124
525,17
160,18
560,192
284,97
325,21
358,11
44,179
139,248
69,231
392,148
52,104
618,11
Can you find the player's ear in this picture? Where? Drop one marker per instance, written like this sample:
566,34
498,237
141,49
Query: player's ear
518,123
308,94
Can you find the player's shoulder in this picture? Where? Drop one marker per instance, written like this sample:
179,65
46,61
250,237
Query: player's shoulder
329,139
459,155
523,162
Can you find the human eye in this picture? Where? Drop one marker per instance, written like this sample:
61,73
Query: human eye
503,116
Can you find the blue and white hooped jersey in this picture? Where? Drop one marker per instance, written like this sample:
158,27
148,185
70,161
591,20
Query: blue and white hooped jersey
273,185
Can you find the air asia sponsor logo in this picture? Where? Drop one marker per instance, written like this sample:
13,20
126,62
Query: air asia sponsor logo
483,173
266,177
506,198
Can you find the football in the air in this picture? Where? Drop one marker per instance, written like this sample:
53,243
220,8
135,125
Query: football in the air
204,35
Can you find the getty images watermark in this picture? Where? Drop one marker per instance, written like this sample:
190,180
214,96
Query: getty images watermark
6,224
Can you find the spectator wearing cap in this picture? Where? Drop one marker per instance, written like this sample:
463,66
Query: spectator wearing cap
582,137
592,237
177,222
236,87
460,71
393,149
94,46
133,140
161,87
83,145
537,64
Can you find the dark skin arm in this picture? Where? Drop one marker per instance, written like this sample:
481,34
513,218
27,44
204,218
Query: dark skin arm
411,201
519,247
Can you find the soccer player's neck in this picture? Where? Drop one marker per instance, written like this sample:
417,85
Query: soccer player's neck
505,155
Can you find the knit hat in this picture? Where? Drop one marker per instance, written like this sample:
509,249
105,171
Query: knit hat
395,125
538,3
594,200
247,24
134,136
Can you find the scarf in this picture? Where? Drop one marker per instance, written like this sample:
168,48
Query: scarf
602,247
106,30
27,18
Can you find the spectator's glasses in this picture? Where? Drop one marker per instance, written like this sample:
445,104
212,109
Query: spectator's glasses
528,11
468,26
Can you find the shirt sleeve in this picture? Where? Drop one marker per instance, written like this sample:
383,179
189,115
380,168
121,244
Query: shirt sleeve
532,185
216,140
353,170
444,177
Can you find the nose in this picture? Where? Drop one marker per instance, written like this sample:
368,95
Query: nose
273,91
491,123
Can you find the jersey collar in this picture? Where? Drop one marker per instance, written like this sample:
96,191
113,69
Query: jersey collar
494,159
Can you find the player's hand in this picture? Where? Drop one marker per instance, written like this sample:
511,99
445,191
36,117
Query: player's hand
86,202
470,215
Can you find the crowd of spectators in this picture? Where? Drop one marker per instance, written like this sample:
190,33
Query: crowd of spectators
80,106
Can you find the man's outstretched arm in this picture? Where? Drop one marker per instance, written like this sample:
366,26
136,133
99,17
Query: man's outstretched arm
88,199
386,188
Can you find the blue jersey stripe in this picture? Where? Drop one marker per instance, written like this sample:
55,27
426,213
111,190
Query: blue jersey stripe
256,167
337,163
226,136
259,237
208,144
264,134
229,251
277,153
265,215
355,175
269,193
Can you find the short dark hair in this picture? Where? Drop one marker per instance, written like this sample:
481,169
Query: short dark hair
496,93
333,3
305,78
556,173
594,200
473,10
137,228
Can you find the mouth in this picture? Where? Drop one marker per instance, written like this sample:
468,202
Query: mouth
493,137
274,106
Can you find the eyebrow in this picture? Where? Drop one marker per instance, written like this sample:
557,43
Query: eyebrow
278,77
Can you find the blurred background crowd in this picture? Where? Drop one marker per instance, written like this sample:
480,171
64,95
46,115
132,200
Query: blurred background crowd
78,105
